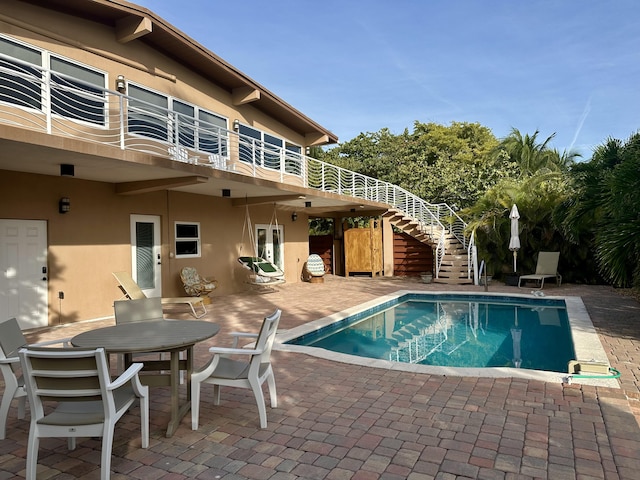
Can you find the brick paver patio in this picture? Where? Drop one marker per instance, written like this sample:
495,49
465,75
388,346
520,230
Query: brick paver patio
340,421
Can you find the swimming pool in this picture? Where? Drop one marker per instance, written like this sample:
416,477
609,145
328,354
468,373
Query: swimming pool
513,353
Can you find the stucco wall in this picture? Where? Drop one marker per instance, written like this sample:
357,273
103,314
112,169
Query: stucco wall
93,239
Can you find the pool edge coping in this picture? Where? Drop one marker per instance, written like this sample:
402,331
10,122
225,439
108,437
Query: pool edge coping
586,343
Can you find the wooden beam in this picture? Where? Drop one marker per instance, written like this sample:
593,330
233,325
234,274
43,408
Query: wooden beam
145,186
241,202
132,27
242,95
314,139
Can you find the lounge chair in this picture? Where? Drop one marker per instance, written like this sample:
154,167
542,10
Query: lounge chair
76,382
196,285
263,272
132,291
251,373
11,340
547,267
314,269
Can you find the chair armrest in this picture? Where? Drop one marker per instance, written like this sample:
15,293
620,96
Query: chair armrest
9,360
236,351
126,376
238,335
64,341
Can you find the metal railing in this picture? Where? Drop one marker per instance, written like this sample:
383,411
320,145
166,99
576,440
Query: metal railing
46,101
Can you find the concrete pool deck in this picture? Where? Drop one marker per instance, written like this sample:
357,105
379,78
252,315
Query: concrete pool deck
343,421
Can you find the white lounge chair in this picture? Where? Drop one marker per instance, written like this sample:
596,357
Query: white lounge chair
86,402
132,291
547,267
250,373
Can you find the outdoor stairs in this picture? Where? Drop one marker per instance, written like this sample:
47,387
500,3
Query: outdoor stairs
454,267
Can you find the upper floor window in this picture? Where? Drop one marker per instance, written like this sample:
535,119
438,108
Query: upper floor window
152,114
73,90
267,150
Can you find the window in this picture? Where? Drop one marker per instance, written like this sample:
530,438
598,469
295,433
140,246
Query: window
187,240
75,91
19,81
147,115
265,150
158,116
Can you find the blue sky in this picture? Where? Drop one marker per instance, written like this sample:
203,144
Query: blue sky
570,67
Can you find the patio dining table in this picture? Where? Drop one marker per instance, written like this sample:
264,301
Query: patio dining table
172,336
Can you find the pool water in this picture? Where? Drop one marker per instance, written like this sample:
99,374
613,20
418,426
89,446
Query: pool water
455,331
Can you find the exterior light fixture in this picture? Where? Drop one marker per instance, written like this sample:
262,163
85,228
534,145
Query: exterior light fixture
236,124
67,170
226,192
121,86
64,205
294,216
307,204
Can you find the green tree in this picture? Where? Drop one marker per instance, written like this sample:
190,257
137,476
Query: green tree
603,215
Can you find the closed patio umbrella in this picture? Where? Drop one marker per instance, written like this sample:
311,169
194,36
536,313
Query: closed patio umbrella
514,242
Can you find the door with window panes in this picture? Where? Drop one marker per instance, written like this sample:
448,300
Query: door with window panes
270,243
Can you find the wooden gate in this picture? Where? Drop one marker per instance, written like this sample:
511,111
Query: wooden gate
363,250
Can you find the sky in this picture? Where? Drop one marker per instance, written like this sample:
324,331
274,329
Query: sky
564,67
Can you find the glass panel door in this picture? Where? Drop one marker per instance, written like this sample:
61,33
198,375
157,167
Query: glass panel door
145,254
270,243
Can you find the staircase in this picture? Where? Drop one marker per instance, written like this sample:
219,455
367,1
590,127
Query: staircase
451,257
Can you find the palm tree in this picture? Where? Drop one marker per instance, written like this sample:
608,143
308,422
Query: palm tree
531,156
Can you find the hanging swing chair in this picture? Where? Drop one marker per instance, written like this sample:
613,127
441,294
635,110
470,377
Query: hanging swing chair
262,271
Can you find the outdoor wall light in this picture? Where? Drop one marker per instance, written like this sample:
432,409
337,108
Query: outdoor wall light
226,192
307,204
236,124
294,216
64,205
67,170
121,86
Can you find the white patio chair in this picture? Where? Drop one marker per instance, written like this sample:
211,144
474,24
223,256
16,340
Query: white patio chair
87,403
250,373
11,340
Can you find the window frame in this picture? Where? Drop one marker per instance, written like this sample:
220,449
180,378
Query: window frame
187,239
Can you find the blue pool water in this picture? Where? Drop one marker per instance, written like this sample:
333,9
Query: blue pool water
455,331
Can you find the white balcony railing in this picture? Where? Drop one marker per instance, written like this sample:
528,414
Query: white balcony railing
37,99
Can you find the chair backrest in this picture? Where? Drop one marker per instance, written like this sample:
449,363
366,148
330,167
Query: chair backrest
64,375
267,336
128,286
11,338
141,310
190,276
547,263
315,265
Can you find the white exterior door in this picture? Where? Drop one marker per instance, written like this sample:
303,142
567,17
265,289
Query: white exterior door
146,268
24,274
270,243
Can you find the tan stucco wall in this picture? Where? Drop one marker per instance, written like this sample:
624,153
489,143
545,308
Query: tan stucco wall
93,239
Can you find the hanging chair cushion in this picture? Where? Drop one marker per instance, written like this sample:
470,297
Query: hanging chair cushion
315,265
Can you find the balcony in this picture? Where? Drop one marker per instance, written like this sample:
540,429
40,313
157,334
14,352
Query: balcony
48,102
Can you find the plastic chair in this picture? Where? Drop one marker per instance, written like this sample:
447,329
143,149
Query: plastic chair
196,285
11,340
546,267
86,402
250,373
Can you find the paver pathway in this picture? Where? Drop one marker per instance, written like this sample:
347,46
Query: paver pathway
341,421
